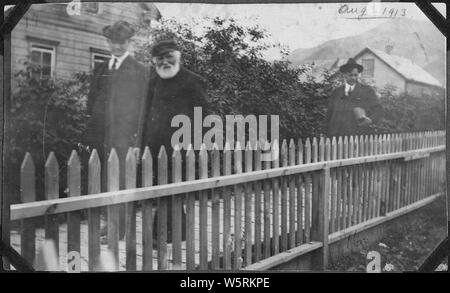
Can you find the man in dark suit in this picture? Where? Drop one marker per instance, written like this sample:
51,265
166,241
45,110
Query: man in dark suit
116,103
352,106
174,90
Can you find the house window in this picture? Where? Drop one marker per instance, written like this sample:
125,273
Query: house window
43,59
368,65
91,7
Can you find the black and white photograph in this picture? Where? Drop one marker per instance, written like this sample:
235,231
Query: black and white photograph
224,137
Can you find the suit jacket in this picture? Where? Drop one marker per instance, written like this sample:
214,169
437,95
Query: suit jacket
340,118
171,97
116,106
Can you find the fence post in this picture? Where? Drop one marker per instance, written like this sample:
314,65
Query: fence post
27,194
130,211
162,203
319,230
52,192
147,212
203,209
113,210
94,179
73,218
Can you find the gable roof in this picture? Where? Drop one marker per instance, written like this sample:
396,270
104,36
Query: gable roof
403,66
152,9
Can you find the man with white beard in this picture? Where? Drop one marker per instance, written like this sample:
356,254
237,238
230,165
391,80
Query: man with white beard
173,90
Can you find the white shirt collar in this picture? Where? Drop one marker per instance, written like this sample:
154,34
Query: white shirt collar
119,60
349,88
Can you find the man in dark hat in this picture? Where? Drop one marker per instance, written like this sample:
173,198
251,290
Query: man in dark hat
116,103
174,90
352,106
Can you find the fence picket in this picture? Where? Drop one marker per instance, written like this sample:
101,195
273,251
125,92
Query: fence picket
237,259
359,203
366,178
333,190
258,202
350,184
52,192
190,211
177,207
27,194
162,204
300,195
215,199
73,218
284,199
308,194
113,210
147,212
267,212
345,186
203,201
227,237
372,179
130,212
292,180
339,193
356,182
276,202
248,206
94,187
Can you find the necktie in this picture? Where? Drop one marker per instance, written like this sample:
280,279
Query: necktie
113,67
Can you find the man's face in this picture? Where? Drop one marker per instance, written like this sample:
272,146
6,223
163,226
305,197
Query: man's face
352,76
118,49
167,64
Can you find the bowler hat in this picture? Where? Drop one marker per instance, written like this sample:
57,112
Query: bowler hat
351,63
164,46
119,31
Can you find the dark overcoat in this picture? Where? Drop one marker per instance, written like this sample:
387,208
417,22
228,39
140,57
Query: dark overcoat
171,97
340,118
116,107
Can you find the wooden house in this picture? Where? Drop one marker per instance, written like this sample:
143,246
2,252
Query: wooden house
62,39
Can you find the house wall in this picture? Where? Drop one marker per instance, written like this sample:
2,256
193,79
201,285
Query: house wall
75,34
383,74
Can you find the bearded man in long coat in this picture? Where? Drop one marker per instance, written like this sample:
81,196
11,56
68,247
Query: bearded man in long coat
174,90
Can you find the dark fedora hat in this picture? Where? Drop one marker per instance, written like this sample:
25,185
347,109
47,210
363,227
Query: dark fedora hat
119,31
163,47
351,63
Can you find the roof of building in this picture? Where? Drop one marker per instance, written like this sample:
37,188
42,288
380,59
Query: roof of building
405,67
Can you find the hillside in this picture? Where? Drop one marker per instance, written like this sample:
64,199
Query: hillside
419,41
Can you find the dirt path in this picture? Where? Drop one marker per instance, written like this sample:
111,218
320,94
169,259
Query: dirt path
405,247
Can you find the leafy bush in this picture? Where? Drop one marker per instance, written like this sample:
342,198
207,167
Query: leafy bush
46,115
410,113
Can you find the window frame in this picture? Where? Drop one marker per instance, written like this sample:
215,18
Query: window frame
365,71
89,9
37,46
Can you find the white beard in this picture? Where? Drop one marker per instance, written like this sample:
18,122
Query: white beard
166,73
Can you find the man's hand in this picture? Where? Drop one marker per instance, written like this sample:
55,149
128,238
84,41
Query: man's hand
361,118
364,121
